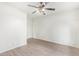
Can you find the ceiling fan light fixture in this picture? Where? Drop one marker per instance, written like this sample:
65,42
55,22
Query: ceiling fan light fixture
42,8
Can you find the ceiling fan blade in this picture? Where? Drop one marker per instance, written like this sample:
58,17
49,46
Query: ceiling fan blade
50,9
32,6
34,12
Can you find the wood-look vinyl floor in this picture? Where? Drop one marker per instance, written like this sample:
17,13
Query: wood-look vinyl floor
37,47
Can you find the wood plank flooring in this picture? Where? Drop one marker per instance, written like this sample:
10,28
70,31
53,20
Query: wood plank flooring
37,47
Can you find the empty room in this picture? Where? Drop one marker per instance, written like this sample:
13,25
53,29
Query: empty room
39,28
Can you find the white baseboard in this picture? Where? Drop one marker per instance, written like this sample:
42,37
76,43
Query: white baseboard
62,43
13,47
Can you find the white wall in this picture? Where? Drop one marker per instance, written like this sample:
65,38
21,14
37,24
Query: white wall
29,26
12,28
61,27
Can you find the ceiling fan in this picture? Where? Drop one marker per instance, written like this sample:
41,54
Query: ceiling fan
41,8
